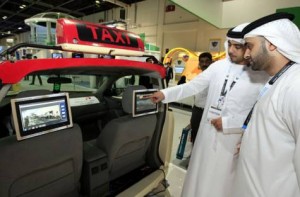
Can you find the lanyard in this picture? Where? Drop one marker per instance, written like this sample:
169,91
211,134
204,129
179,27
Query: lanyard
265,89
224,89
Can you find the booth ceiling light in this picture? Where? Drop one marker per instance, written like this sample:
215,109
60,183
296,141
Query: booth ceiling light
4,17
118,3
22,6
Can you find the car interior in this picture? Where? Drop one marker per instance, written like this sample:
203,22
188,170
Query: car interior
106,151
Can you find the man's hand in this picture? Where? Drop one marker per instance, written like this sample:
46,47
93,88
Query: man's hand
238,145
157,97
238,148
217,123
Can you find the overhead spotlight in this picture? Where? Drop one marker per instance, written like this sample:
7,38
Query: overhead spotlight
20,28
22,6
97,2
10,40
4,17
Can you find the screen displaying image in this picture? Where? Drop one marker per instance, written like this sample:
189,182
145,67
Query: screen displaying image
107,56
142,104
77,55
41,114
57,55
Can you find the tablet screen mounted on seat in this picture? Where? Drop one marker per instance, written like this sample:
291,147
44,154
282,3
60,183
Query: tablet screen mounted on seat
142,104
38,115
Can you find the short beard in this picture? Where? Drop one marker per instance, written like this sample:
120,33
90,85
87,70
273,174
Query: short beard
262,57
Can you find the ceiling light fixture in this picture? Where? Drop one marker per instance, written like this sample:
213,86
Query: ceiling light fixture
20,28
4,17
22,6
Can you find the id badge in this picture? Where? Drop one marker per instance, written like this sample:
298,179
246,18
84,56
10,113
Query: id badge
221,102
213,112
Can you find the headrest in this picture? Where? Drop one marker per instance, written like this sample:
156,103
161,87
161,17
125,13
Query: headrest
128,97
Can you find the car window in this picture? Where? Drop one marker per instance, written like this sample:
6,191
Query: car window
76,83
119,86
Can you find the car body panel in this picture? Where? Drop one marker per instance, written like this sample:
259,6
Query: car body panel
109,78
13,72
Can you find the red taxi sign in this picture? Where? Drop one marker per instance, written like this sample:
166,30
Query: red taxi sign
75,35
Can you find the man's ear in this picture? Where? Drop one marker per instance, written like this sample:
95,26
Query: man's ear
272,47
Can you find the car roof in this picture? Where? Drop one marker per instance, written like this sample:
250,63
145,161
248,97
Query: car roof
13,71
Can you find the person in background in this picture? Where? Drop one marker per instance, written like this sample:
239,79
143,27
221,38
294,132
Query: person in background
269,159
26,78
232,88
149,60
12,57
145,80
182,80
205,59
33,76
169,73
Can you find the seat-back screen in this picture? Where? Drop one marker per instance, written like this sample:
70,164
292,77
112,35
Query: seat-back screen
38,115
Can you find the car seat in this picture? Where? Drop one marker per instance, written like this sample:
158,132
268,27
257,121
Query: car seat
126,139
45,165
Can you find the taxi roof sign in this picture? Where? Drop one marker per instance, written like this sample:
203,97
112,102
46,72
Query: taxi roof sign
75,35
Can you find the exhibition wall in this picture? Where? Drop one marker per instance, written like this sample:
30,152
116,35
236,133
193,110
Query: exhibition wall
181,28
225,14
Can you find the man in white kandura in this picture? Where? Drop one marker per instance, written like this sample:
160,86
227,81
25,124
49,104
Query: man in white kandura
269,161
232,91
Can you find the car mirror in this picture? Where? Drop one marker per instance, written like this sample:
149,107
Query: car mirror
59,80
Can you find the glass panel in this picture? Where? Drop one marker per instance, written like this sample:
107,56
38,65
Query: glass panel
78,83
119,86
